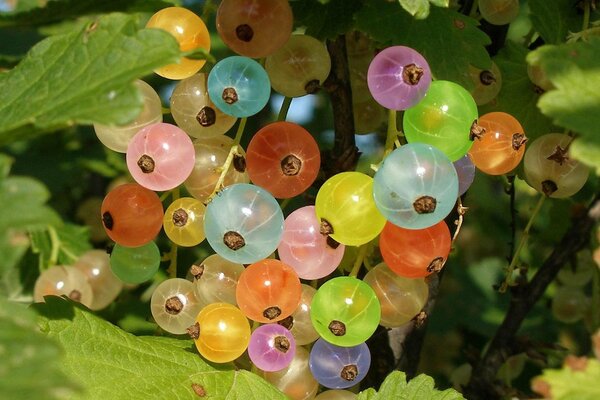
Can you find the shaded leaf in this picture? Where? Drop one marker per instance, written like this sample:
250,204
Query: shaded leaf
518,95
573,70
60,245
419,388
554,19
586,151
98,353
420,8
448,40
82,77
30,361
325,20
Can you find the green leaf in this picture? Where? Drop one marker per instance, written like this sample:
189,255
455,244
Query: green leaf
13,245
325,20
553,20
569,384
82,77
30,361
114,364
419,388
586,151
59,245
420,8
448,40
23,204
574,70
518,95
58,10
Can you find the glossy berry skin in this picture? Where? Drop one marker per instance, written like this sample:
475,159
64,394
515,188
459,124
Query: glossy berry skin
95,264
465,170
211,154
189,31
299,67
299,323
66,281
443,119
283,158
160,156
254,28
305,249
135,265
345,311
416,186
268,291
194,112
398,77
345,203
550,170
117,138
296,380
499,12
401,298
132,215
174,306
339,367
218,280
224,332
243,223
488,83
415,253
239,86
272,347
501,147
184,221
569,304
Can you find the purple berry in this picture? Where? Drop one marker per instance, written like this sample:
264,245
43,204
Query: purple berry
465,169
339,367
398,77
272,347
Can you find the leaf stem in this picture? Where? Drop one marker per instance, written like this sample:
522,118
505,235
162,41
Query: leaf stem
55,241
285,107
240,131
522,242
362,251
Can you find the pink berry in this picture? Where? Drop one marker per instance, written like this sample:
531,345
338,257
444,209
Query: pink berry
160,156
272,347
304,248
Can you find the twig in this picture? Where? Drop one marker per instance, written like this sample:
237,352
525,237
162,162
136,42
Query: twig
524,297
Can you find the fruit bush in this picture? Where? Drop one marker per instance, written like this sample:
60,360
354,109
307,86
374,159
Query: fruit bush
138,261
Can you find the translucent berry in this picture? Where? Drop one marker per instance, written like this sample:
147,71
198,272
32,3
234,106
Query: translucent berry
268,291
184,221
132,215
117,138
345,311
244,223
215,280
272,347
465,170
135,265
254,28
174,306
194,112
95,264
66,281
488,83
283,158
239,86
499,12
299,323
398,77
160,157
346,209
416,186
191,33
339,367
415,253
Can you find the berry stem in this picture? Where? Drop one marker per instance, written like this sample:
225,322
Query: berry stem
285,107
362,251
461,210
232,152
55,243
285,203
586,14
392,132
166,110
239,133
522,241
172,268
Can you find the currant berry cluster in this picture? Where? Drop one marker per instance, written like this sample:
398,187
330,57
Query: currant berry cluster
403,206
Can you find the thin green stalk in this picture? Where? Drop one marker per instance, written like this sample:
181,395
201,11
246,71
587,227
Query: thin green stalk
474,7
55,241
172,268
362,251
522,243
285,107
224,169
240,131
586,14
392,132
285,203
